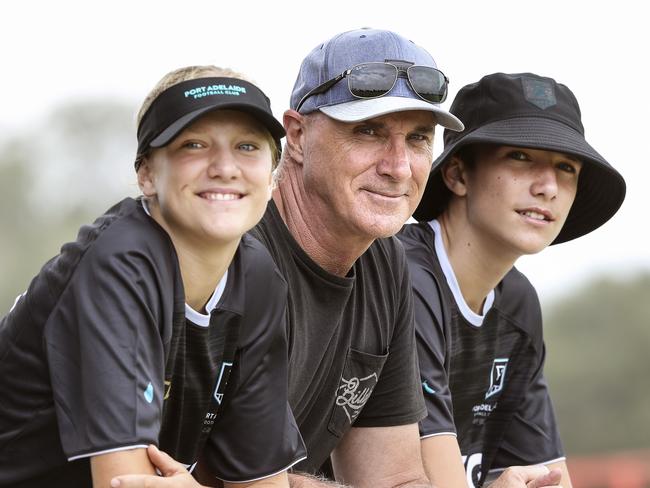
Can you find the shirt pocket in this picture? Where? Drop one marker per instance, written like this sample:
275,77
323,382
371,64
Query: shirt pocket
358,380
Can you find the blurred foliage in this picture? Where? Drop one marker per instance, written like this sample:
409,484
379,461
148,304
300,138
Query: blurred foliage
57,176
598,361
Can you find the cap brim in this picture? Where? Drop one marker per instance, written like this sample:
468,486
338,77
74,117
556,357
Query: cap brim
275,128
359,110
601,189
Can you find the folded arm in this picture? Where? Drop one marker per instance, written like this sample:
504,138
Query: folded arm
380,457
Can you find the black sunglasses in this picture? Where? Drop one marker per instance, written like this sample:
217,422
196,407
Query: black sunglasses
376,79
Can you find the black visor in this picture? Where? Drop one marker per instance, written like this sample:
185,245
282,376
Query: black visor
179,105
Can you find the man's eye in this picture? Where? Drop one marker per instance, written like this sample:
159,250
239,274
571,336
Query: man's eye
419,137
369,131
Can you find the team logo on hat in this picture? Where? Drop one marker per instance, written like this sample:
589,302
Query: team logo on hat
539,92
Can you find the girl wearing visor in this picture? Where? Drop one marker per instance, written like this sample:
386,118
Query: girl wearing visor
519,178
162,323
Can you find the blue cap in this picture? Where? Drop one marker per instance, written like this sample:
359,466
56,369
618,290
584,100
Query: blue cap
348,49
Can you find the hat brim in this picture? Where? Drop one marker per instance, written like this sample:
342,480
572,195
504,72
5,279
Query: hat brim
601,189
275,128
364,109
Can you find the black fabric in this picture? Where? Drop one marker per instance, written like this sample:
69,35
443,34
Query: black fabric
351,341
98,355
500,420
527,110
179,105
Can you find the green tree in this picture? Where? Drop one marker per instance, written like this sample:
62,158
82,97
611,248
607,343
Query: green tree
598,342
57,176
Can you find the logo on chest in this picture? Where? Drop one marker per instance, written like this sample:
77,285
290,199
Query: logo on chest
353,394
497,377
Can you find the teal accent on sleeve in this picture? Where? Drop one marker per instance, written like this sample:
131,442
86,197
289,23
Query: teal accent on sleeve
148,393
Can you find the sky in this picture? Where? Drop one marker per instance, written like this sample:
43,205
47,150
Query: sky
67,50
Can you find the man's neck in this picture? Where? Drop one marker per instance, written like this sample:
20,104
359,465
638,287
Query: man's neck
333,250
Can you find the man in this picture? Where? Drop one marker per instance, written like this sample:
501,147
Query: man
356,160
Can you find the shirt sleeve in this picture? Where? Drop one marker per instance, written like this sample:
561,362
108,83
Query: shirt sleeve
256,435
397,397
105,353
433,354
532,437
432,331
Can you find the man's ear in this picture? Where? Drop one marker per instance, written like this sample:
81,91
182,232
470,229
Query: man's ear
454,175
146,178
294,125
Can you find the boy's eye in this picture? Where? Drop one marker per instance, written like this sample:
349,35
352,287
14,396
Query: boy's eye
518,155
567,167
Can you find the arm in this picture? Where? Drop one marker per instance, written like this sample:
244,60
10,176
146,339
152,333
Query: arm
565,481
443,462
303,480
175,475
106,466
105,335
380,457
527,477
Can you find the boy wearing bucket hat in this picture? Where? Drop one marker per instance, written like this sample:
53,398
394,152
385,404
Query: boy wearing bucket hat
519,178
162,323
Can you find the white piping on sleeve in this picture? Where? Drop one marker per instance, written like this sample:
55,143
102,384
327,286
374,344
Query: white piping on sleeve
106,451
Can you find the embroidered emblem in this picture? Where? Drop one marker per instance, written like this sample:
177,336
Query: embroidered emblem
539,92
221,388
354,393
497,376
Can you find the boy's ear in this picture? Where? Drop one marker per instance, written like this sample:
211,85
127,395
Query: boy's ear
453,174
146,178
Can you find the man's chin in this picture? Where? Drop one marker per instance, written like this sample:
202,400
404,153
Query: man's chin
387,226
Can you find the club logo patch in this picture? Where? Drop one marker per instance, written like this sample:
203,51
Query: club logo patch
354,393
497,376
222,382
539,92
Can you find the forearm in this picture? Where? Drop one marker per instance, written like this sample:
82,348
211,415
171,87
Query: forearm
106,466
304,480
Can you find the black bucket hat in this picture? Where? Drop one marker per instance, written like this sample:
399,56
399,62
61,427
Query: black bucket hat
527,110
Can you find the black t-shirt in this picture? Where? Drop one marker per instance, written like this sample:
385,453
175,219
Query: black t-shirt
482,376
351,341
100,355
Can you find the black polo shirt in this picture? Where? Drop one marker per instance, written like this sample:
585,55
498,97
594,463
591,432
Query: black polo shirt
100,354
482,375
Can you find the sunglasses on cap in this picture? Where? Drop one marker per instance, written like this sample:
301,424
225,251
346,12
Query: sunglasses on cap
376,79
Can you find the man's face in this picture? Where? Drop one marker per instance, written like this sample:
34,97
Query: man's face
366,178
